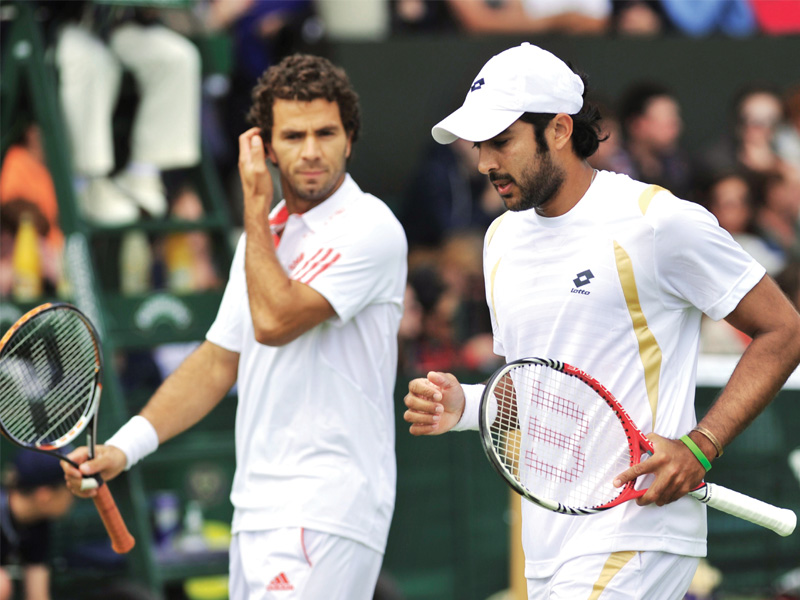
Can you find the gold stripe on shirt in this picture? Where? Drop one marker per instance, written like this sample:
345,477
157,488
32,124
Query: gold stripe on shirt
489,235
491,280
647,196
649,350
493,228
613,565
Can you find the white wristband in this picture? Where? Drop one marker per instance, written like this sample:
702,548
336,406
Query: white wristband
137,438
472,402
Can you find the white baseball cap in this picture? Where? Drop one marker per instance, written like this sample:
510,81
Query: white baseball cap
518,80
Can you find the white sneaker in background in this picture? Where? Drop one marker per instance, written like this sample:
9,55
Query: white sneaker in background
147,190
104,203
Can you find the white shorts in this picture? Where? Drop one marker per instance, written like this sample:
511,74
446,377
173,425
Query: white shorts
293,563
618,576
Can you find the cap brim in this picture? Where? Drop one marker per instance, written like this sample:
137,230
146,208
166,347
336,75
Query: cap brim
474,124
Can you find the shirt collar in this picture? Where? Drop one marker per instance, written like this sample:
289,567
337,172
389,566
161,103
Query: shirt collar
316,217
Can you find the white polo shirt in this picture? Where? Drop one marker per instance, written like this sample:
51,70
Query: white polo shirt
616,287
315,420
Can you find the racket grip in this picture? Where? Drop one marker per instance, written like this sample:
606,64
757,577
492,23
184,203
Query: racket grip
121,539
780,520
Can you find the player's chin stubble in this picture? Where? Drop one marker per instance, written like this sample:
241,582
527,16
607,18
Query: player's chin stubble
538,186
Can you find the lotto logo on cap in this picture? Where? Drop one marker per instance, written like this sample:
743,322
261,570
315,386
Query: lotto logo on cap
522,79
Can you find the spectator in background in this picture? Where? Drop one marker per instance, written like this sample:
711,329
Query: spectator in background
638,18
27,187
447,324
262,32
95,46
410,331
778,217
698,18
757,114
730,200
188,256
447,195
45,267
460,265
24,174
532,16
30,500
760,114
787,137
413,16
651,124
435,346
751,148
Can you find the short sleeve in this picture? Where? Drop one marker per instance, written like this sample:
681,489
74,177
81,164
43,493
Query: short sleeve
697,261
227,329
359,269
490,263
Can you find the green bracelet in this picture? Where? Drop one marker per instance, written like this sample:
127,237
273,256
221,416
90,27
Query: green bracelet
697,452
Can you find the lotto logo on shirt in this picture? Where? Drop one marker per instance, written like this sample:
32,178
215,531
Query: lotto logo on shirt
583,278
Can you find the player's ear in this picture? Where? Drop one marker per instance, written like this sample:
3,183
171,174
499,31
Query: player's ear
562,130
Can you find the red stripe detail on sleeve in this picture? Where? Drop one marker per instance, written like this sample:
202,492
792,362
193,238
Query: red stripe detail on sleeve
299,272
311,264
322,268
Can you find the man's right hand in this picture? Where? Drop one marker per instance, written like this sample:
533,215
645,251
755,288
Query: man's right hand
434,403
109,461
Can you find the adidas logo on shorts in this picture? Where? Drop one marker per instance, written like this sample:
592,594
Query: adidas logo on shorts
280,584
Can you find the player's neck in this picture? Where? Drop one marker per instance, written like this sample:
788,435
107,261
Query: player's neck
578,178
297,204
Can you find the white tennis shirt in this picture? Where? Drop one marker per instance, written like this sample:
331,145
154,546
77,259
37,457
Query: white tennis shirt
616,287
315,420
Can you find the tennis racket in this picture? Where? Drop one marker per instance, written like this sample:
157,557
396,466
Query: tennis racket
51,372
558,438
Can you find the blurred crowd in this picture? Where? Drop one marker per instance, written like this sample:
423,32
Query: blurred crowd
184,72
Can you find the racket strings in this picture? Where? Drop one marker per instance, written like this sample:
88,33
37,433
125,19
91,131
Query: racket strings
505,431
558,437
546,402
47,378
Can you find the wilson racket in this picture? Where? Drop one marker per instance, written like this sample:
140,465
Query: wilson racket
558,438
51,372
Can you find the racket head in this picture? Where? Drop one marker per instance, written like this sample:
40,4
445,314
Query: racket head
51,370
557,436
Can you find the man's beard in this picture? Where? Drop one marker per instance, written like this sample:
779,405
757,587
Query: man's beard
538,187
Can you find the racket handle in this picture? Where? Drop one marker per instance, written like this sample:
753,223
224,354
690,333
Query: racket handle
780,520
121,539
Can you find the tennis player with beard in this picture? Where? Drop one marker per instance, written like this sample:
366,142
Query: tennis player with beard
613,276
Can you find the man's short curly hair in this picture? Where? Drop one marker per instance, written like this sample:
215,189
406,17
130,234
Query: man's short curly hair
304,77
